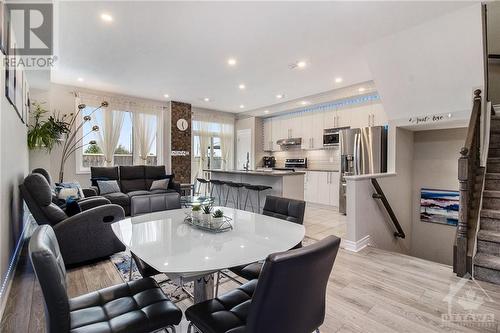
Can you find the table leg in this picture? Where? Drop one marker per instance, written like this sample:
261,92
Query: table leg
203,288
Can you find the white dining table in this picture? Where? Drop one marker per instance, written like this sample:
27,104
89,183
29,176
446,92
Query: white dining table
167,243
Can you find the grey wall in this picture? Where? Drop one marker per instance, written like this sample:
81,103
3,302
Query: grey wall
434,166
13,168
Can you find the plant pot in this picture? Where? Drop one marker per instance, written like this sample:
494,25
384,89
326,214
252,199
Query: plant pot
205,219
217,222
195,215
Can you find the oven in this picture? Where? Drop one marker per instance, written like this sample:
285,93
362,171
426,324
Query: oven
331,137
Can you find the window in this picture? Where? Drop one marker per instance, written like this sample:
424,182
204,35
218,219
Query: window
126,151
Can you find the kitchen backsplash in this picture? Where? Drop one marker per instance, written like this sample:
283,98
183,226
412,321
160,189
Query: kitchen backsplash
324,159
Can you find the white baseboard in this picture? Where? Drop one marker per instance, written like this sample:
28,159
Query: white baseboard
355,246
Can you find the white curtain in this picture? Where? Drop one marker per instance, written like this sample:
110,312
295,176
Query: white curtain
144,135
109,133
204,135
227,145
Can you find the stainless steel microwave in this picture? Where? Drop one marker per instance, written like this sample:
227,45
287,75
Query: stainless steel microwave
331,137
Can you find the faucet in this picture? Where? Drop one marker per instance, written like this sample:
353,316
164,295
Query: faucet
245,166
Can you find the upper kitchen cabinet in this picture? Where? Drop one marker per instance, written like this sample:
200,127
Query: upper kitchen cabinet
379,118
268,134
312,124
276,133
368,115
291,126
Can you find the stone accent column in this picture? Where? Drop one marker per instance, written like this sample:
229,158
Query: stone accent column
181,141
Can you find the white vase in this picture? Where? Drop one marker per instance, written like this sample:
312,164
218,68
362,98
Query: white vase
217,222
195,215
205,218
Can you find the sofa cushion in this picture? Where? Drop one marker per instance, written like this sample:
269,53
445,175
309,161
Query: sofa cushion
118,198
39,189
133,185
132,178
132,172
161,191
109,173
154,172
137,193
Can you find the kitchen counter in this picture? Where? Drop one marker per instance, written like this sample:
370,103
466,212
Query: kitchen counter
283,183
273,173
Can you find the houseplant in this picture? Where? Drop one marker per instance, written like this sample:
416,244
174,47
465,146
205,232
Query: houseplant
207,213
46,133
195,213
217,218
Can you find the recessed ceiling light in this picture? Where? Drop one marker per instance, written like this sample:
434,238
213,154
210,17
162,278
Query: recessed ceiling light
206,99
301,64
266,111
338,80
304,102
280,96
80,79
231,61
242,86
166,96
106,17
361,89
242,106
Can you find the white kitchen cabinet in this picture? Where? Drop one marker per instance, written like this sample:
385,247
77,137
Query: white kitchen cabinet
312,130
276,131
268,134
379,118
322,187
368,115
329,119
344,118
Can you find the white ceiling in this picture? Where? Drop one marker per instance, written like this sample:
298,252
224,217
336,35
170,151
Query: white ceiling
153,48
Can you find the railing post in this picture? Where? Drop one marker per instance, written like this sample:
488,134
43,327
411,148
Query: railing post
463,179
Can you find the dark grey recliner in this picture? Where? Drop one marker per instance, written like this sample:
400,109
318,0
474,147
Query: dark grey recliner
133,307
282,208
82,237
289,295
91,199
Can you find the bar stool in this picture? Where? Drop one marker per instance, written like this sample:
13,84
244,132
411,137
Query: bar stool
258,189
234,187
217,186
202,182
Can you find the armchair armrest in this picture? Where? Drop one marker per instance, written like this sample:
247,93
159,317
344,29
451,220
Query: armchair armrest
90,191
175,186
96,201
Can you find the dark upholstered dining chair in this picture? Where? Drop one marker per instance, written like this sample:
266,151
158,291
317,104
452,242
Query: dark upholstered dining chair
289,295
134,307
82,237
282,208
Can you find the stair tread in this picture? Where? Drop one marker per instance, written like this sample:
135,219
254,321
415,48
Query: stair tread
491,194
491,213
487,260
489,235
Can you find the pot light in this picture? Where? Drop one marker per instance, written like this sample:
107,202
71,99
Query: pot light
242,86
231,61
166,96
280,96
106,17
206,99
242,106
301,64
304,102
338,80
266,111
361,89
80,79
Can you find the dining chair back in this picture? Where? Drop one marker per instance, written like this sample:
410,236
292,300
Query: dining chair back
285,209
290,295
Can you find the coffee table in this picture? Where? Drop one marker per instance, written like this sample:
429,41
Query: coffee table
165,242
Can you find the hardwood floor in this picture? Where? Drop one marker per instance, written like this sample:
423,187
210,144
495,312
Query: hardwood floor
368,291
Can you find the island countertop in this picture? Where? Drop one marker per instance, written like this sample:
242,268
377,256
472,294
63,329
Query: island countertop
274,173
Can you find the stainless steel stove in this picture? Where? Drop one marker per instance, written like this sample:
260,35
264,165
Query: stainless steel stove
296,163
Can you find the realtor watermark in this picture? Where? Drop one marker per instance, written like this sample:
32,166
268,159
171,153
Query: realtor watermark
465,299
29,35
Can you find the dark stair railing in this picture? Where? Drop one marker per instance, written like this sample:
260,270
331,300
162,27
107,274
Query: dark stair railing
381,196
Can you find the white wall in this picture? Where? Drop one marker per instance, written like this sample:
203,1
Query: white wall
431,68
256,127
13,168
434,166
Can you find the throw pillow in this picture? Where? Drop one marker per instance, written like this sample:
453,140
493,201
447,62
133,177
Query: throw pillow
108,186
66,190
93,181
72,207
161,184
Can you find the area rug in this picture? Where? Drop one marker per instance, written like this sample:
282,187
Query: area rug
170,287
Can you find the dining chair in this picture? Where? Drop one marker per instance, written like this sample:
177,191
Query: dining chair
288,297
134,307
283,208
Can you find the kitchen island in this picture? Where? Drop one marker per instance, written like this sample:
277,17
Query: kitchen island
287,184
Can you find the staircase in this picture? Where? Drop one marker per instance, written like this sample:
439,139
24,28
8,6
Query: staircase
487,258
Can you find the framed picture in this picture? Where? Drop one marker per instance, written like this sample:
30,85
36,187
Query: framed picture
26,102
439,206
18,87
11,80
2,30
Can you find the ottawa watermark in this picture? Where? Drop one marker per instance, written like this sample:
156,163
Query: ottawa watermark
465,299
29,35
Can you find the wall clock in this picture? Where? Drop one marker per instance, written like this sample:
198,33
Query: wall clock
182,124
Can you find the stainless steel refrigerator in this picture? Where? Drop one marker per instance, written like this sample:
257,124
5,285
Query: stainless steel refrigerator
362,151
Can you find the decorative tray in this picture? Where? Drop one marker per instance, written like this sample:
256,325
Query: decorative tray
209,226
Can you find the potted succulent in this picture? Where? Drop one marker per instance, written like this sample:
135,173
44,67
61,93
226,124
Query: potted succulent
217,218
196,213
206,214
